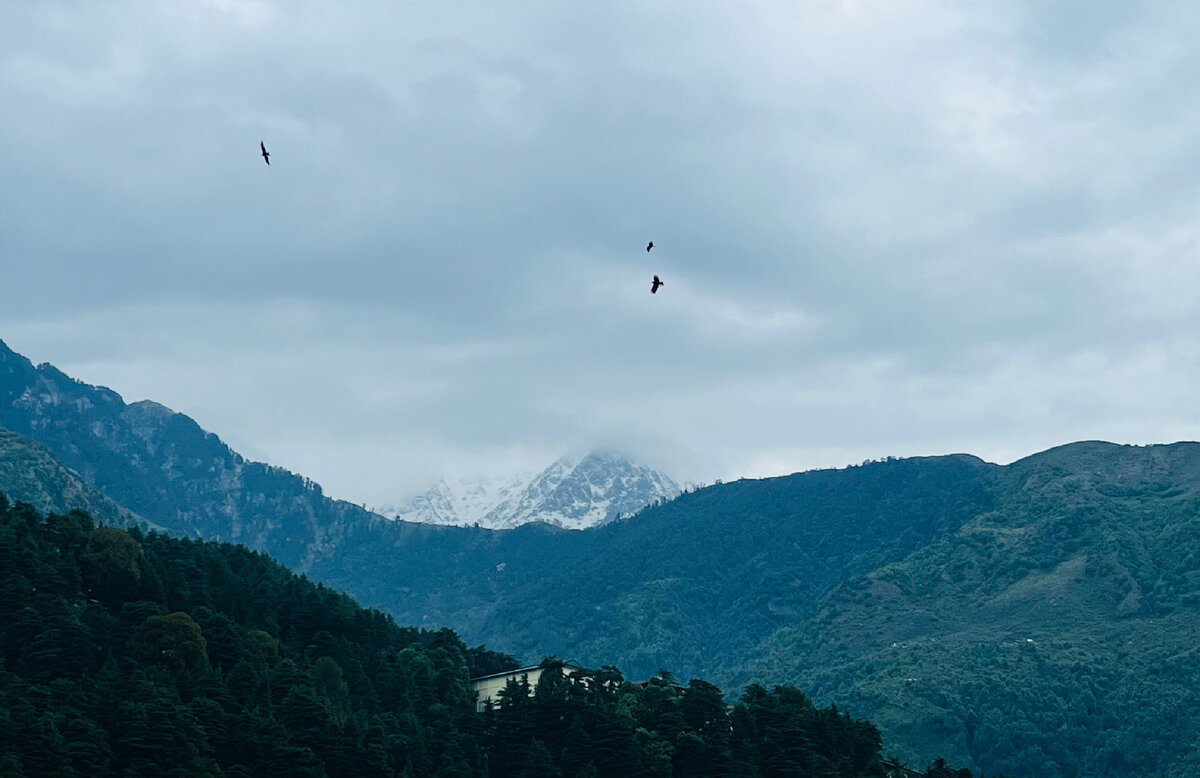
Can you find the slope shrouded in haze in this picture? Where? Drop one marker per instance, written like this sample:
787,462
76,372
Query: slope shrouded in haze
575,492
693,584
163,466
1037,619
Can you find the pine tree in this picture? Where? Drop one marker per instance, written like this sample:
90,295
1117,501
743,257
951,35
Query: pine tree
538,762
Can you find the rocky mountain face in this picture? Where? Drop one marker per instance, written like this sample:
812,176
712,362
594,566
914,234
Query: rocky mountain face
575,492
161,465
30,473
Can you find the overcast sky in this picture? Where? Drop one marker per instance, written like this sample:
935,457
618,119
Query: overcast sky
886,227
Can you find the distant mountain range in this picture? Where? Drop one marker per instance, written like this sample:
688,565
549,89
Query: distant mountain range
161,465
1040,618
575,492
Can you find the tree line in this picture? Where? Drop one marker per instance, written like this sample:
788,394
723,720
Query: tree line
125,653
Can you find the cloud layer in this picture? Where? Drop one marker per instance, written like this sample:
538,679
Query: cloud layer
886,228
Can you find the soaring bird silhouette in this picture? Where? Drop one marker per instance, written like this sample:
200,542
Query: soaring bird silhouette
654,285
649,245
265,154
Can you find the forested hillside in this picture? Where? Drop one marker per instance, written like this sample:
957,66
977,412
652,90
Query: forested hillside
126,654
1039,618
1034,618
1054,635
692,585
695,584
132,654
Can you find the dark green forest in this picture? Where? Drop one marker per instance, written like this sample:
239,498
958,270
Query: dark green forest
1039,618
1053,635
125,653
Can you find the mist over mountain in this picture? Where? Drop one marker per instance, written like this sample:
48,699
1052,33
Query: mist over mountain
692,585
1039,618
460,502
574,492
161,465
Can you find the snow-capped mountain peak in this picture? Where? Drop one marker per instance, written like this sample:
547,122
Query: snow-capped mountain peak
462,501
575,492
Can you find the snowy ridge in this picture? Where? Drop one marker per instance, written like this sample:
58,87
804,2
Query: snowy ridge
575,492
461,502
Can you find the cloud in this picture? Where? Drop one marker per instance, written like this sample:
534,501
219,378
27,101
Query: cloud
885,228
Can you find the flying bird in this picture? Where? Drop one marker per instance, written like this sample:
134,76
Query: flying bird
265,154
654,285
649,245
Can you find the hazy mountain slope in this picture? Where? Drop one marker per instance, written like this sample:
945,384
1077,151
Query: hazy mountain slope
1039,618
1036,619
692,585
163,466
30,473
1056,634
